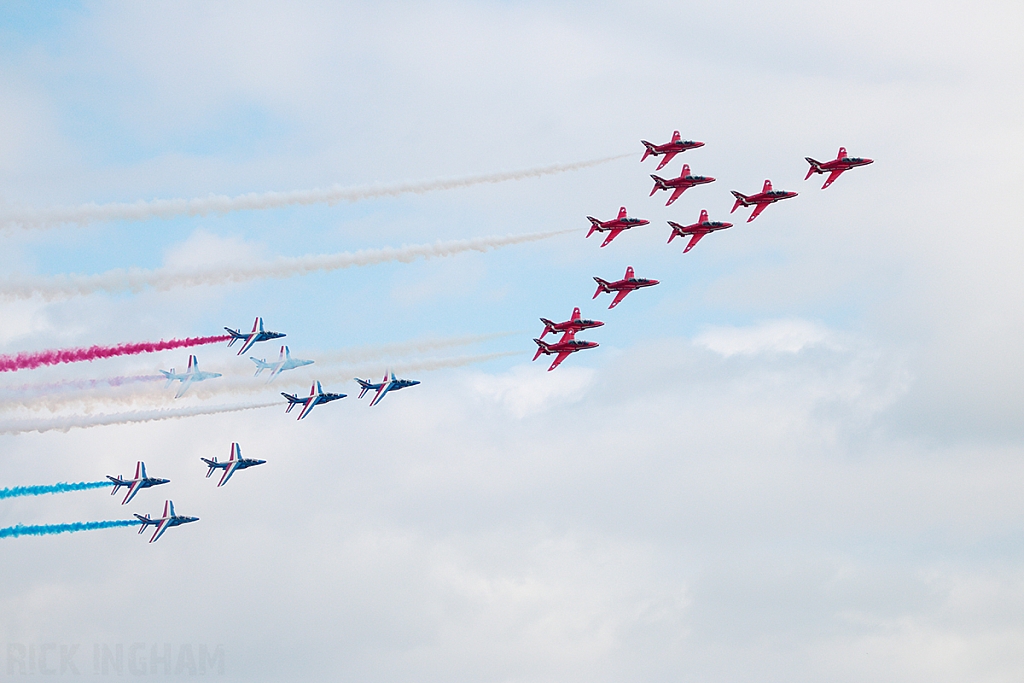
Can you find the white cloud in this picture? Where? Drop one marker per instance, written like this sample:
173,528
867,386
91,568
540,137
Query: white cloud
527,389
774,336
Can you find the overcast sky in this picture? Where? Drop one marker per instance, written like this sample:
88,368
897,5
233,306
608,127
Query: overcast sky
796,459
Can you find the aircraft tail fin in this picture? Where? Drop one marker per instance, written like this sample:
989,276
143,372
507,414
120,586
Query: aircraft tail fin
741,200
364,386
602,286
649,149
146,521
549,326
659,184
292,401
542,347
675,227
169,374
235,335
261,365
594,225
212,464
815,167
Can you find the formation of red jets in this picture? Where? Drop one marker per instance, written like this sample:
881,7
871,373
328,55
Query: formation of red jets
568,343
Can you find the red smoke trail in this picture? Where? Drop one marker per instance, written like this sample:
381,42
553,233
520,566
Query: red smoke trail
29,360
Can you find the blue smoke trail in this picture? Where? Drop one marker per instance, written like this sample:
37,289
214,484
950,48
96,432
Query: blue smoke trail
52,488
47,529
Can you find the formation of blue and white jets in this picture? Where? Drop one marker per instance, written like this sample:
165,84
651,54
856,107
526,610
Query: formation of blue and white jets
141,481
235,461
283,363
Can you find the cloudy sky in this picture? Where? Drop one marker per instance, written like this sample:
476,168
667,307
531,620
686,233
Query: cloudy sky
798,458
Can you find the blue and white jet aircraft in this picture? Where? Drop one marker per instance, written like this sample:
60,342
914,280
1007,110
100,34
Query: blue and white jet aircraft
141,481
234,462
258,334
386,385
315,398
162,524
191,374
284,362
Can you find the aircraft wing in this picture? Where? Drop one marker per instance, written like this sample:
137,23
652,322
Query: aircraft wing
185,384
619,297
132,490
307,406
611,235
558,359
675,195
669,156
568,335
228,471
693,241
757,211
161,527
832,177
381,393
247,344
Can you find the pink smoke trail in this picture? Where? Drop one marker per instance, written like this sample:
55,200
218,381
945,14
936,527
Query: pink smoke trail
33,359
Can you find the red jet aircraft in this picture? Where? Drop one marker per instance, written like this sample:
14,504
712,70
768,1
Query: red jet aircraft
836,167
760,200
702,227
669,149
570,326
623,287
617,225
563,347
680,184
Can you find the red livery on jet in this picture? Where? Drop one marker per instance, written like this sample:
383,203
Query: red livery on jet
615,226
697,230
573,324
669,149
836,167
679,185
622,287
760,200
562,348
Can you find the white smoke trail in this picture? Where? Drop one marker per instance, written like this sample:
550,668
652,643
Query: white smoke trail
55,396
219,204
64,424
236,385
302,378
135,280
